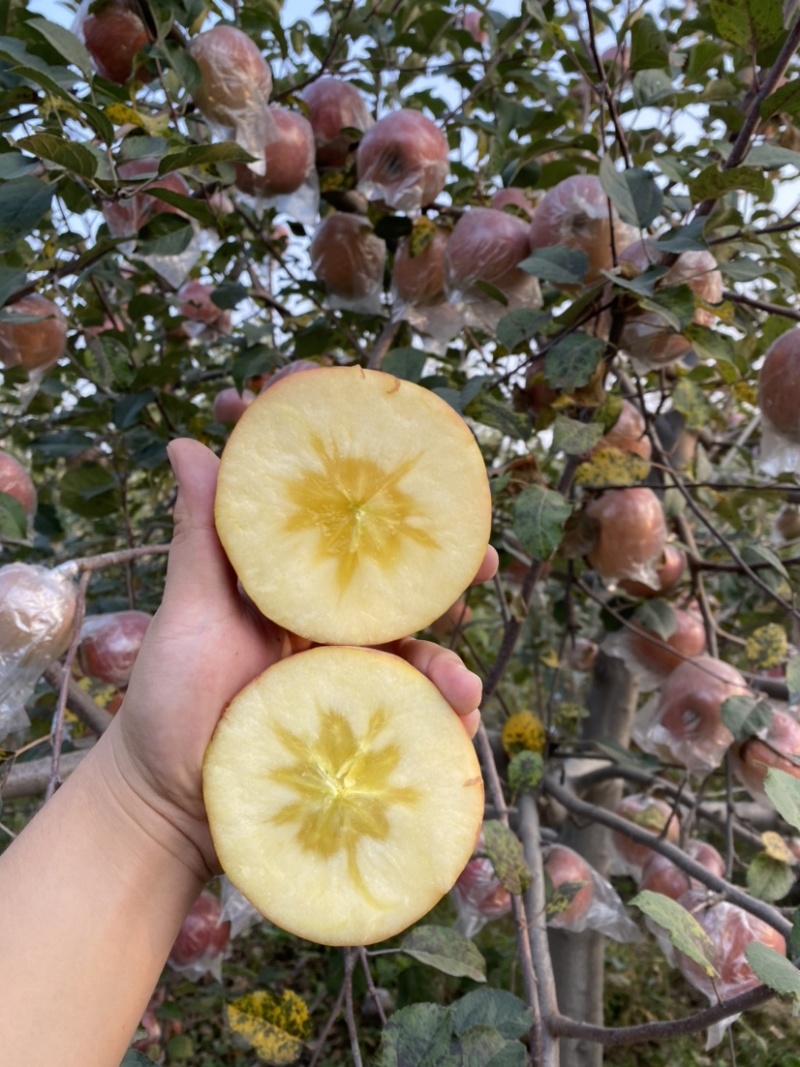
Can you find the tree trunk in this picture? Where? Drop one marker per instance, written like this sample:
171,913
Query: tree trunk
578,959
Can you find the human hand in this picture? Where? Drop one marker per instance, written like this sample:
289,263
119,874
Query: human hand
204,645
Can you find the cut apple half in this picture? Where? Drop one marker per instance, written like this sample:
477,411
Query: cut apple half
343,794
353,506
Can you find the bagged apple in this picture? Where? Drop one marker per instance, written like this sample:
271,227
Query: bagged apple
479,896
581,899
202,942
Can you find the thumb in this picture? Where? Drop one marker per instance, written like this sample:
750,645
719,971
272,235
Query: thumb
198,571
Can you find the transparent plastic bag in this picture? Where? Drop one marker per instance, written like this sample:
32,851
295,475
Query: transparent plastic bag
582,899
202,941
479,896
402,161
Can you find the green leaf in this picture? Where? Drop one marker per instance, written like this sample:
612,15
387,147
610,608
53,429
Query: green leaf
558,264
768,878
676,305
786,98
482,1046
539,518
525,771
648,200
657,616
418,1036
136,1059
773,157
90,491
492,412
793,947
11,280
68,46
274,1026
709,343
762,554
195,209
165,235
750,24
713,183
13,520
572,361
650,87
574,437
447,950
685,932
203,155
774,970
689,400
617,190
745,715
405,363
73,156
505,851
649,45
23,205
687,238
783,790
518,327
182,63
793,680
492,1007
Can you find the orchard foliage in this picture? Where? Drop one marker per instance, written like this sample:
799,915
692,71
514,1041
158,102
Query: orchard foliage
121,205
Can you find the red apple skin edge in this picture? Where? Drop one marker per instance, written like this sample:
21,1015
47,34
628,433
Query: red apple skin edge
113,35
333,106
17,482
778,384
648,813
202,936
110,644
562,866
34,345
632,532
661,875
690,703
687,641
753,757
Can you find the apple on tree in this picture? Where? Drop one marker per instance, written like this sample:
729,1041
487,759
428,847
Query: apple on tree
778,380
348,258
571,886
202,940
197,305
289,156
629,433
33,333
660,875
114,34
418,287
127,215
669,572
338,114
631,534
648,813
479,896
402,161
513,197
110,644
778,746
660,655
17,482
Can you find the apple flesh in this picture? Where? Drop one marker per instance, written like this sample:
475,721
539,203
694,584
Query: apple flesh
110,644
203,937
752,758
778,382
348,259
349,765
235,81
661,875
402,161
648,813
289,157
577,214
353,506
17,482
687,641
631,536
113,35
334,108
565,868
33,335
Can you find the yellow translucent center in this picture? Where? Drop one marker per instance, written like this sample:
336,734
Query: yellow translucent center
343,788
357,509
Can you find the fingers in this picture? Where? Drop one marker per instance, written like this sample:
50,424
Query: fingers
458,685
488,567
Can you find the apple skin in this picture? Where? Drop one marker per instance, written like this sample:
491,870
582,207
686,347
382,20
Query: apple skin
632,533
17,482
471,23
731,930
479,888
661,875
512,196
289,157
419,280
113,35
688,640
125,217
235,81
33,345
335,106
648,813
755,755
668,574
402,161
563,865
229,404
197,306
202,938
688,725
110,644
347,257
576,213
778,382
628,433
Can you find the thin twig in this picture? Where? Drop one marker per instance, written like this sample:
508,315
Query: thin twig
350,957
336,1011
110,559
57,731
371,987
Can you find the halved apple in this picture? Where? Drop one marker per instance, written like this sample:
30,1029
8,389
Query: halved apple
353,506
343,794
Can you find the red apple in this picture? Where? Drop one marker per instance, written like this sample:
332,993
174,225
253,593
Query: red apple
661,875
564,867
334,108
113,34
687,641
402,161
577,214
684,724
778,384
486,246
110,644
629,432
731,930
512,196
479,888
419,280
288,157
37,608
755,755
235,81
648,813
471,22
17,482
646,335
127,215
348,259
668,573
197,306
229,404
37,343
632,533
203,937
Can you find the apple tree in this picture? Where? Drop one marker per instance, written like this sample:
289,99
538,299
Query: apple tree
574,222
